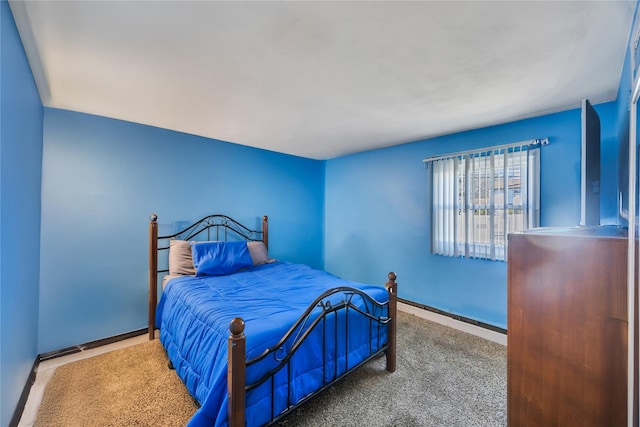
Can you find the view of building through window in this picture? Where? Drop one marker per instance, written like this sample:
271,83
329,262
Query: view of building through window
492,204
494,193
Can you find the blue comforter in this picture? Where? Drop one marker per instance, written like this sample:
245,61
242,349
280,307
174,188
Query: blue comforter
194,315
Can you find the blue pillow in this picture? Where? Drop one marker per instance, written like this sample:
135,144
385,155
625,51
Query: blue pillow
220,258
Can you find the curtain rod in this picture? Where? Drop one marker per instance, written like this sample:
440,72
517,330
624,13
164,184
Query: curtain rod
541,142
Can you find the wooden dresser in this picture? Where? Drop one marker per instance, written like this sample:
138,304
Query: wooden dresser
567,328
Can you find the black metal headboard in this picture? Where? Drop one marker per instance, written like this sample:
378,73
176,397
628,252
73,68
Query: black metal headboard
215,227
217,222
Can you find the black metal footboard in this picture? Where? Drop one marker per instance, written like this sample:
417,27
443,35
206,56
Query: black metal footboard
335,309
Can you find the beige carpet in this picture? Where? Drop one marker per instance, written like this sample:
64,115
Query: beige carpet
445,378
127,387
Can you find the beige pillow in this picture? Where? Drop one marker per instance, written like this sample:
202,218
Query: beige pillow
166,279
258,252
180,259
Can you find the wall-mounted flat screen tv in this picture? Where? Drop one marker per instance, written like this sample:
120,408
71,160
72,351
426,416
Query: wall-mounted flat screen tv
590,166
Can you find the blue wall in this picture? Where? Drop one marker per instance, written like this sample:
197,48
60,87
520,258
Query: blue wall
377,217
20,172
82,275
101,180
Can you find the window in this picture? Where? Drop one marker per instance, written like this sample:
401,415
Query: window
479,197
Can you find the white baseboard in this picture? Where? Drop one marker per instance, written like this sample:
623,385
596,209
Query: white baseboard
455,324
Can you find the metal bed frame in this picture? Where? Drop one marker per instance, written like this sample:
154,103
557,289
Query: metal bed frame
219,227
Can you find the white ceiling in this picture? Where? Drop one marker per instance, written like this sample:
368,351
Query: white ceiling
323,79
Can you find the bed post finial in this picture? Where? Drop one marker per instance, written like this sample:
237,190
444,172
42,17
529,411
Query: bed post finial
392,288
236,374
236,327
153,273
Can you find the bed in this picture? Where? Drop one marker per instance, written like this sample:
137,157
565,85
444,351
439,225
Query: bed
253,338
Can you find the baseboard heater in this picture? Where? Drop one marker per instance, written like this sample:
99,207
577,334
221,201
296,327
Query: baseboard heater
92,344
454,316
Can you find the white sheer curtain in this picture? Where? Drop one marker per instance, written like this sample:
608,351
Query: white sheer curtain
479,197
445,206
